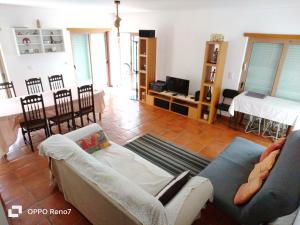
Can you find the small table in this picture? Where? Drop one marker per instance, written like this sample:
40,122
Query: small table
272,108
11,114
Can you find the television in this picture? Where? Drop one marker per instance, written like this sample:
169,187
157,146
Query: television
180,86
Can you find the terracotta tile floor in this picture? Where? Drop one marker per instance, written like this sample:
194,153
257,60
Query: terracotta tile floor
24,178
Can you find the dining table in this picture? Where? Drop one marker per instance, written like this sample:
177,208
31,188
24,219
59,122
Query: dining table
11,114
272,108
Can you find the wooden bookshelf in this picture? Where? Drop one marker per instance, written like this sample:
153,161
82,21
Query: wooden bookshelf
147,65
212,76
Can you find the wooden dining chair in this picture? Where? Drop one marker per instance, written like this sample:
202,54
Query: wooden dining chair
86,103
8,88
56,82
34,86
34,116
64,111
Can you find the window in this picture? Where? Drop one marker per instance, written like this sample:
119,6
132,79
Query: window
272,66
289,84
262,67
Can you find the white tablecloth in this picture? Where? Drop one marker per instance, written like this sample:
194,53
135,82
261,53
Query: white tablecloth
11,115
271,108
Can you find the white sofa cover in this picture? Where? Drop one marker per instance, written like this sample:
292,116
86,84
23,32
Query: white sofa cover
130,172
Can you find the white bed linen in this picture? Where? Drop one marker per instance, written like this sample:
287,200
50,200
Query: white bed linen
142,205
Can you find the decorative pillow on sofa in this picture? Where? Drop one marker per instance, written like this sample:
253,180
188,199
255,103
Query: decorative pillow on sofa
94,142
265,165
248,190
170,191
255,179
278,145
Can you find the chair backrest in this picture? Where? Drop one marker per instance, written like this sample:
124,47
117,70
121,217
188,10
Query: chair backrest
229,93
8,88
63,102
33,108
56,82
34,85
85,97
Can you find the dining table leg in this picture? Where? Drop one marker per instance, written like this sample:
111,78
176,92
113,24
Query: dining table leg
236,119
99,116
5,156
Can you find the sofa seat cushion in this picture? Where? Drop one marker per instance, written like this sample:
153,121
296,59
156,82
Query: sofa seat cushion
148,176
229,171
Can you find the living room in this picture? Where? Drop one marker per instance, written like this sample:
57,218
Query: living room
156,75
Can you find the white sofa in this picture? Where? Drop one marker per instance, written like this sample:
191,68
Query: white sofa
116,186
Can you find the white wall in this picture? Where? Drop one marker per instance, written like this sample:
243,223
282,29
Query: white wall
182,35
181,39
22,67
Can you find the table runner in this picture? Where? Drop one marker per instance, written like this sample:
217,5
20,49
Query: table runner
11,114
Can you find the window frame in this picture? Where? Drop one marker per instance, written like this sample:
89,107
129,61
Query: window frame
283,39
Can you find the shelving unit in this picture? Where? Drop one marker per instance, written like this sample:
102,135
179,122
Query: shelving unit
180,104
212,76
147,65
36,41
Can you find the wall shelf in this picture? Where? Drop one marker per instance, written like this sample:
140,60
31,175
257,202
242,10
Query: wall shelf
30,41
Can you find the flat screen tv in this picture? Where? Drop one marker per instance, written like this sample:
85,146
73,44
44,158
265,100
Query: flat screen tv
180,86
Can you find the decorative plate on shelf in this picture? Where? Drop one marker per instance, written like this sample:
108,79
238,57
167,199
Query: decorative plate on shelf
26,41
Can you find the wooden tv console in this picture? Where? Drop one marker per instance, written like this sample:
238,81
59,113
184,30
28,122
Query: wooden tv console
180,104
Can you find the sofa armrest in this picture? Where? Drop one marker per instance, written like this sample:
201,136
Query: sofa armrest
83,132
187,204
297,219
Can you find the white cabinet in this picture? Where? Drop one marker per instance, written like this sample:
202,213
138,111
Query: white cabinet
34,41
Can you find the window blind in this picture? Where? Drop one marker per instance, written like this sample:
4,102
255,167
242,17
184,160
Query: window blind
262,67
289,82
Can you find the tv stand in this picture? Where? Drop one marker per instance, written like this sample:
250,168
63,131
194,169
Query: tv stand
181,104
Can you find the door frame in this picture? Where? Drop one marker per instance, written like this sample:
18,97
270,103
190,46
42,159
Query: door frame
106,32
4,74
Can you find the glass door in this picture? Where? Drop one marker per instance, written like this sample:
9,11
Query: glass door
81,57
98,59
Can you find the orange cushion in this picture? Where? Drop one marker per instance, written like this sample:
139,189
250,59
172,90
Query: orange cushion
248,190
265,165
255,180
275,146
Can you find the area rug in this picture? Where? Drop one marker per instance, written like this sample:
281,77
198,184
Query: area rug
166,155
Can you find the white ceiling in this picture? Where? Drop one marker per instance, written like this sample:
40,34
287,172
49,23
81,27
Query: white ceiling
154,5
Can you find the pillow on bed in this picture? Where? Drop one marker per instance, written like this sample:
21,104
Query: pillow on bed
170,191
93,142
